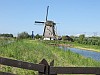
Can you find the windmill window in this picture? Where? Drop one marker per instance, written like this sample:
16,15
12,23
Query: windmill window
49,33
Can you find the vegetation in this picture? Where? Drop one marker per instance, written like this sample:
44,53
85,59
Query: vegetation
67,38
92,43
38,36
23,35
4,41
6,35
87,47
87,40
34,51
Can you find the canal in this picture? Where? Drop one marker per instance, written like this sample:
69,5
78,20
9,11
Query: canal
86,53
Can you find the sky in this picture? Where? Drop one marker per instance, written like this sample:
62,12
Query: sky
73,17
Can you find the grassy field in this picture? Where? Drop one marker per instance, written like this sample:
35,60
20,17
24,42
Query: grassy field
34,51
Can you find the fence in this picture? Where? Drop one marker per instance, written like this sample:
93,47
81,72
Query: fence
44,68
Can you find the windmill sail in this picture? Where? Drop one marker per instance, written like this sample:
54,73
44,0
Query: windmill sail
47,13
38,22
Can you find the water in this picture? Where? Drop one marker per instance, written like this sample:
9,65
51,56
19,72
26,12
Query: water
86,53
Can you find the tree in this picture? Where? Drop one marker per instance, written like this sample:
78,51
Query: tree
81,37
38,36
67,38
6,35
23,35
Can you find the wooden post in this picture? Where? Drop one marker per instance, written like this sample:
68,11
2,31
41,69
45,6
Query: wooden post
46,67
51,64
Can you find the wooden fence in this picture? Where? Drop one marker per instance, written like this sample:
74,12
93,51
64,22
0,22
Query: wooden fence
44,68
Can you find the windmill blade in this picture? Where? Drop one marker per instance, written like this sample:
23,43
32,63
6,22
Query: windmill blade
38,22
47,13
54,23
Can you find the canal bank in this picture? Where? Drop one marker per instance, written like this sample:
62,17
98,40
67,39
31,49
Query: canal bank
89,49
79,47
86,53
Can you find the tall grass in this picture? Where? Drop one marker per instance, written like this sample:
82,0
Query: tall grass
35,51
4,41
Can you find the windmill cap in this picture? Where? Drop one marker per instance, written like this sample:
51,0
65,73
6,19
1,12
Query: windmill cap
50,23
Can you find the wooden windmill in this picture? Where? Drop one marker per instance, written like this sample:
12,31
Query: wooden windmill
49,28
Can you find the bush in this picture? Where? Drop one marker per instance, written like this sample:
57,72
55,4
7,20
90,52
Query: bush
23,35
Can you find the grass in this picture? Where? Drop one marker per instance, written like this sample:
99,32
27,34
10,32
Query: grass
4,41
34,51
87,47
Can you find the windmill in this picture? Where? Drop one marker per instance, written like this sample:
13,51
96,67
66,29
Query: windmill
49,28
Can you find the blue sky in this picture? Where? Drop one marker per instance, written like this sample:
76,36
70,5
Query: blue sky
72,16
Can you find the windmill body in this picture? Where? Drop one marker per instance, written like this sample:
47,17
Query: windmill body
49,29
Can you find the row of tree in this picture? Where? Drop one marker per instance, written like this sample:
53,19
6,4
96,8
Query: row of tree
25,35
81,39
22,35
6,35
87,40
